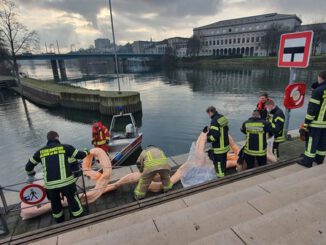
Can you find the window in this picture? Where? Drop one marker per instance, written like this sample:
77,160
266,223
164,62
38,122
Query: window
248,39
243,40
236,29
214,42
243,28
234,40
257,39
210,42
217,42
226,41
221,42
239,40
206,43
252,39
230,41
250,28
230,30
257,27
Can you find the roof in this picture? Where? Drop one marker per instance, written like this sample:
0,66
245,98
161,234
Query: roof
250,19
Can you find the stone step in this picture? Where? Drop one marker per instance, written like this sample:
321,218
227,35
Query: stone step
241,184
130,233
208,208
224,237
274,225
288,195
189,231
294,178
120,222
312,234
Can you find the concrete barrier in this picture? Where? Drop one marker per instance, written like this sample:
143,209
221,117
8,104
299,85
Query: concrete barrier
51,94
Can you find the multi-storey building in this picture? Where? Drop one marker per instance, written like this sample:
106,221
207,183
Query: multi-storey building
242,36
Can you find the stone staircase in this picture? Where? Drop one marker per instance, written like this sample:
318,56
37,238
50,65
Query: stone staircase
284,206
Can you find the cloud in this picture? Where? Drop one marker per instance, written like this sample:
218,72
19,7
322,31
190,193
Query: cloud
143,19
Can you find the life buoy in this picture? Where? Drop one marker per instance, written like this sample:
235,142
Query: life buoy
294,95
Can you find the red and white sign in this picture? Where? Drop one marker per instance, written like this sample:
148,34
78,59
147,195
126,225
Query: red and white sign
295,49
32,194
294,95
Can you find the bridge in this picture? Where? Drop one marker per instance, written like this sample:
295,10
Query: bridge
83,55
58,60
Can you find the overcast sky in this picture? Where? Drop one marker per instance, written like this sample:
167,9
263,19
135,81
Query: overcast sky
79,22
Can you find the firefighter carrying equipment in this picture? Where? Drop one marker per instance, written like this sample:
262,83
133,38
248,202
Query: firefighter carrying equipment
100,136
152,161
218,135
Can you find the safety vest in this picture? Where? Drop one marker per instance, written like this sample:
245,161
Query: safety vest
316,113
218,134
256,142
152,163
100,135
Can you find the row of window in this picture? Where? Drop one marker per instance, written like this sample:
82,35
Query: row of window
243,28
233,41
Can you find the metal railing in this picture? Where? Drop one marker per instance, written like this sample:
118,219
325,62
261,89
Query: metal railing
11,208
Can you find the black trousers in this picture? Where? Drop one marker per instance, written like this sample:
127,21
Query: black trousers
219,161
315,146
55,196
250,160
276,151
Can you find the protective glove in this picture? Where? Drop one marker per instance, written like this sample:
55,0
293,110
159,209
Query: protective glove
87,150
30,178
205,129
140,167
93,142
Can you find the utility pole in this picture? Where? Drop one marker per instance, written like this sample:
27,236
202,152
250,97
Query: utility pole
58,47
114,48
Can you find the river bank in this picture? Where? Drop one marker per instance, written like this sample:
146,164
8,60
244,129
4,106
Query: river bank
53,95
257,62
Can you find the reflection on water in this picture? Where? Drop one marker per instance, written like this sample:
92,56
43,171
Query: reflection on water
174,104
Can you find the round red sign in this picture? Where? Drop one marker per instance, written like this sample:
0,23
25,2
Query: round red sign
32,194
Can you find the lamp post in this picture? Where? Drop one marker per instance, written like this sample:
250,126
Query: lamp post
114,48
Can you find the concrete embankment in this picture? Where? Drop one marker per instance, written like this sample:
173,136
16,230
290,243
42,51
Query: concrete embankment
212,62
51,94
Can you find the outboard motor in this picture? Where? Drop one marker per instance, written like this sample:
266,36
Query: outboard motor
130,130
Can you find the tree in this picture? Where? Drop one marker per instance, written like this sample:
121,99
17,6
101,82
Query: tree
271,39
319,35
17,38
4,58
193,46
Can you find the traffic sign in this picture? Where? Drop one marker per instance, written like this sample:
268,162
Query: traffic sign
32,194
294,95
295,49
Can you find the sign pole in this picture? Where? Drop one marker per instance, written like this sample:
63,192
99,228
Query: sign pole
288,111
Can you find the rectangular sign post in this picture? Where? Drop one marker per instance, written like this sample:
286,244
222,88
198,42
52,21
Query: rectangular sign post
294,52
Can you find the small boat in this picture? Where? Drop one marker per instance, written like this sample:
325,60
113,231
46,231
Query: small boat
125,138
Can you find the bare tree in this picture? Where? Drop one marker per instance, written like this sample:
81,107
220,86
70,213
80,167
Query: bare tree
319,30
4,58
193,46
271,39
17,37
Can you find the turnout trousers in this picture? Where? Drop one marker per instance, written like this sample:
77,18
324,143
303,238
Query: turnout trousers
147,178
219,161
250,160
315,146
55,196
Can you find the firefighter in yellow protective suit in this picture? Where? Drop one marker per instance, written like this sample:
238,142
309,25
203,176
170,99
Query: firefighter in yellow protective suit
152,161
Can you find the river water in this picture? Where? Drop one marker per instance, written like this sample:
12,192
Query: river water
174,103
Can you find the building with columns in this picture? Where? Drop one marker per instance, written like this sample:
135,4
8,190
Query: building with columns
242,36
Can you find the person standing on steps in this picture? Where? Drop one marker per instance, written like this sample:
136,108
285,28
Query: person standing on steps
218,136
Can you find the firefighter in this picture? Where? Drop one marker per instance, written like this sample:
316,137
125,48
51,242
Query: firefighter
152,161
276,118
218,135
255,148
58,178
315,125
100,136
261,105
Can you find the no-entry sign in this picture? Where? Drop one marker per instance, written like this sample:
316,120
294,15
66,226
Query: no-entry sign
32,194
295,49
